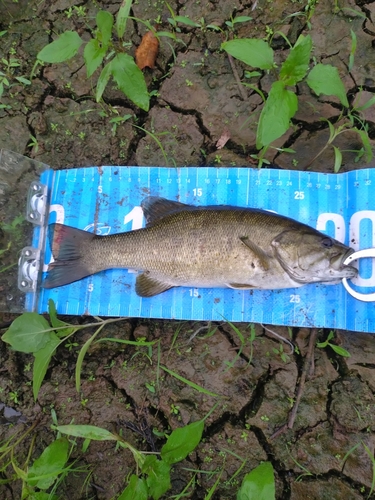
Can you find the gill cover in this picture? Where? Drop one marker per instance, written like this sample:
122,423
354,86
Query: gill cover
310,256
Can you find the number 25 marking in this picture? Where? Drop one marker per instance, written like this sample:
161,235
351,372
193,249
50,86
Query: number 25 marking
299,195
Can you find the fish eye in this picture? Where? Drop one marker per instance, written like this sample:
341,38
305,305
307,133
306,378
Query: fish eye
327,242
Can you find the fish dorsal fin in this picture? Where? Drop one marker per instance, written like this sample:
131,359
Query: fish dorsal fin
260,254
145,286
155,208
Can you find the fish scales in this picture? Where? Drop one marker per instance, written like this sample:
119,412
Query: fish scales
188,246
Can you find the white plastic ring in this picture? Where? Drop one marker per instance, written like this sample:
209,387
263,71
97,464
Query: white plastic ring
361,254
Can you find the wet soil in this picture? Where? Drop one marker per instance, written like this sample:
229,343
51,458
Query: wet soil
197,99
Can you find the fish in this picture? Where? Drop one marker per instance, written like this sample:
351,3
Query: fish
202,247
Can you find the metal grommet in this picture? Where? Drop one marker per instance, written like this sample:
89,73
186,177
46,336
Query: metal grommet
361,254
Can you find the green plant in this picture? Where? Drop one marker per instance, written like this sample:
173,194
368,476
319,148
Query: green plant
281,104
372,459
103,47
237,20
79,11
243,342
8,78
280,352
32,333
338,350
13,396
44,473
33,143
174,20
152,477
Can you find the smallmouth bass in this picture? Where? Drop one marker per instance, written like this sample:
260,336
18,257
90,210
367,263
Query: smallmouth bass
211,247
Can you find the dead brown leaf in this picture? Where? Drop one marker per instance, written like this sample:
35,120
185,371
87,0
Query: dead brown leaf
146,54
224,138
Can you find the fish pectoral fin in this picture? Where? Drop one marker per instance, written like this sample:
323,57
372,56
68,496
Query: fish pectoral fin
145,286
259,253
239,286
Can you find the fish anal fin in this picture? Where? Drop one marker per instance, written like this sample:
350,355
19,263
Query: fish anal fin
146,286
259,253
155,208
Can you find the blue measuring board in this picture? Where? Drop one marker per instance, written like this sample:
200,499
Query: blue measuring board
107,200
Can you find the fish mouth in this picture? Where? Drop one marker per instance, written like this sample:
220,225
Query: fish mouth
345,271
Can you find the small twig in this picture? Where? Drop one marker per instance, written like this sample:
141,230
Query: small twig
283,339
279,431
237,78
195,333
301,386
312,365
308,364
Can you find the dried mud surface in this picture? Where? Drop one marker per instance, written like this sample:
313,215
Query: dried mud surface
122,390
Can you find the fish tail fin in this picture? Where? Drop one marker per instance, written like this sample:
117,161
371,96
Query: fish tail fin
67,245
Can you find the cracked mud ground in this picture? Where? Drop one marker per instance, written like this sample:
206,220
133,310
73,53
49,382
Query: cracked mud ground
198,98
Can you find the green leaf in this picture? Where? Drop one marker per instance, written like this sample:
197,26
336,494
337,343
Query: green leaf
23,80
56,322
367,104
242,19
122,17
136,490
93,55
366,143
62,49
27,333
251,74
340,351
181,442
325,79
104,20
338,159
103,80
295,67
275,117
188,382
87,432
259,484
256,53
49,465
158,480
352,50
41,362
130,80
187,21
